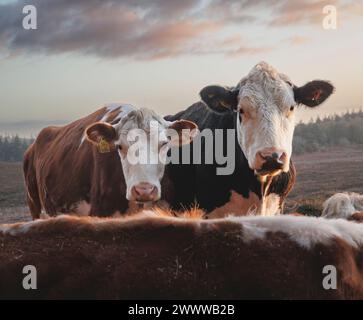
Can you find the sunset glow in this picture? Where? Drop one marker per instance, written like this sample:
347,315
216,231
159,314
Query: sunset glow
159,54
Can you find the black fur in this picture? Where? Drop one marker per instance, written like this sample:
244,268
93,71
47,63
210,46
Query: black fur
313,93
198,183
220,99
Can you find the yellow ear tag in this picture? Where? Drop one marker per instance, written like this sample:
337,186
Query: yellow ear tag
103,146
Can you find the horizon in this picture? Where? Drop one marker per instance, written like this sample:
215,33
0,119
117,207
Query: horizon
160,54
23,129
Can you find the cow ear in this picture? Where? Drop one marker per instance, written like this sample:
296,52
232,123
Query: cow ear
102,135
313,93
220,99
182,132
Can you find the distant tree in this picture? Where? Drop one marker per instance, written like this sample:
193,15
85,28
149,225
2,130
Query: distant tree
337,130
12,148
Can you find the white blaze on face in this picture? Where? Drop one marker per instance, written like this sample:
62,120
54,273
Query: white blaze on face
266,114
141,141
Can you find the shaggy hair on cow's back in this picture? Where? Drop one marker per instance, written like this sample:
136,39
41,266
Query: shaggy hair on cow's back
306,231
152,255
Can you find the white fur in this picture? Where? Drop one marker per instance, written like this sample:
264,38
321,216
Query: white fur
307,231
267,98
135,173
124,109
342,205
270,205
19,228
153,132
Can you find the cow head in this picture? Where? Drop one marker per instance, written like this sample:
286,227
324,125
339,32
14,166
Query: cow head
265,102
139,132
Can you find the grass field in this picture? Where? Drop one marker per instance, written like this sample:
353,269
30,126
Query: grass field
320,175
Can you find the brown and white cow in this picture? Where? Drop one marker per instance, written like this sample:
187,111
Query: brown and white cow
85,167
146,256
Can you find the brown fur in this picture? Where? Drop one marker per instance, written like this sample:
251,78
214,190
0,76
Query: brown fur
357,217
146,256
59,171
296,214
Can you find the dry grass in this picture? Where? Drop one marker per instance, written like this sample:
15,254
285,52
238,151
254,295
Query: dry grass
193,213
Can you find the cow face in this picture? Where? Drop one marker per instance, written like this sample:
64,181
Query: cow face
142,140
265,103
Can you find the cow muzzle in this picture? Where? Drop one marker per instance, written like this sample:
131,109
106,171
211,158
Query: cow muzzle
144,192
270,162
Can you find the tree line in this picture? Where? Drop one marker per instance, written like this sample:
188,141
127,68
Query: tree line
12,148
320,134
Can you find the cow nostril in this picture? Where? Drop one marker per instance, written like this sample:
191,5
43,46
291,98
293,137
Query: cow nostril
151,189
144,190
270,156
282,158
137,191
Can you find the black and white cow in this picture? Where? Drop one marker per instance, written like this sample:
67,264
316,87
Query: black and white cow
261,109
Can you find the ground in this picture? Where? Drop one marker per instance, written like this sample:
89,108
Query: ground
320,175
12,194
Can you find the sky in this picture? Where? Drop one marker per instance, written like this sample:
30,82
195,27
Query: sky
160,53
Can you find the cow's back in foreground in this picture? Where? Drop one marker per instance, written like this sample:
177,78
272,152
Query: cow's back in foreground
161,257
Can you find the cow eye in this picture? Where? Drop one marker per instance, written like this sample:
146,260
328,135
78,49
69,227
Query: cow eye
119,147
292,108
241,111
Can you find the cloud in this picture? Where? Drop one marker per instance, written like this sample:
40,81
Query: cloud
306,12
249,50
147,29
137,29
297,40
286,13
353,8
230,12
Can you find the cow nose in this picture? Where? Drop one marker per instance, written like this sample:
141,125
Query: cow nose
272,154
144,192
275,156
270,159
